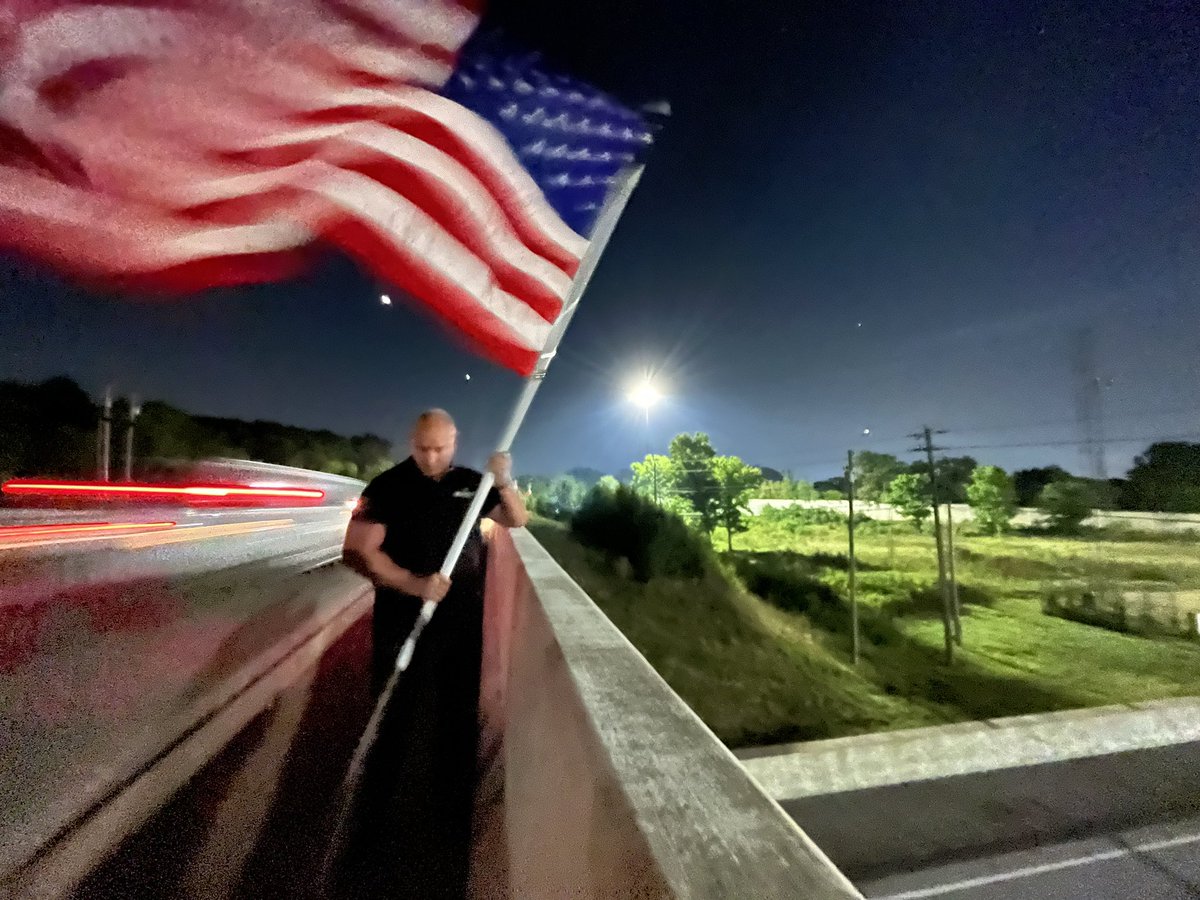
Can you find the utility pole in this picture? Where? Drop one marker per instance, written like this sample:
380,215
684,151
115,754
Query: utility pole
852,566
135,410
955,605
948,618
104,437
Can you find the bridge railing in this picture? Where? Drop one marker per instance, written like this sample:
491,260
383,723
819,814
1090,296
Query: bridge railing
600,781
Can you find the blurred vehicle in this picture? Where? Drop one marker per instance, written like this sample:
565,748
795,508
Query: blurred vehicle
206,483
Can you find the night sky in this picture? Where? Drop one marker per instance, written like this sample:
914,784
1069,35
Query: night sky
870,216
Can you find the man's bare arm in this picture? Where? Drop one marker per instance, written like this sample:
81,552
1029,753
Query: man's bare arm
362,551
510,511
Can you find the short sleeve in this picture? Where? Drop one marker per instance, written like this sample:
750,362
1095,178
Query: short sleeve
377,503
492,501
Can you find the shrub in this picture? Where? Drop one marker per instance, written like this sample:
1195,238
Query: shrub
800,518
786,580
992,498
1067,503
1117,611
909,494
657,543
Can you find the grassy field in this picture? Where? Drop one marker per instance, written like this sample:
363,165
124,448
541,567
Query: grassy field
773,663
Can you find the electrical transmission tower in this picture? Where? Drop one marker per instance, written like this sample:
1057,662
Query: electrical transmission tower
1089,405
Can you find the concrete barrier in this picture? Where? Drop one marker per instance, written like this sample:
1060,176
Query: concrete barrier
795,771
1177,523
600,781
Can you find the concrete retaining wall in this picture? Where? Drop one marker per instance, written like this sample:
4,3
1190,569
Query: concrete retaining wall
883,512
600,781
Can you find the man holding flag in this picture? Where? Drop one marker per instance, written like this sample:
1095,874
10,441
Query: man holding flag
404,525
417,799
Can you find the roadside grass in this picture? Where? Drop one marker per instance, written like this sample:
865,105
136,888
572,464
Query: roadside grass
760,645
754,673
1049,662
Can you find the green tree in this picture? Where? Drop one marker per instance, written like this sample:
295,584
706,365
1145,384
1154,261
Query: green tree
608,483
623,523
953,476
992,498
909,495
589,477
1165,478
556,497
164,432
874,473
378,467
370,453
1067,503
691,456
1028,483
347,467
46,429
735,481
654,477
836,485
567,493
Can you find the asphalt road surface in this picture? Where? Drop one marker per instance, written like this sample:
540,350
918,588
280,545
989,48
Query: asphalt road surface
106,640
1119,827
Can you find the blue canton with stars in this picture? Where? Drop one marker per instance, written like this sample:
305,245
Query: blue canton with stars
572,138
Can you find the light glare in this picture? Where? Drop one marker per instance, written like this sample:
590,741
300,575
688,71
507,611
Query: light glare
645,395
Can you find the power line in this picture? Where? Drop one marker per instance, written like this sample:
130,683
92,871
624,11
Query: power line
1152,438
1047,423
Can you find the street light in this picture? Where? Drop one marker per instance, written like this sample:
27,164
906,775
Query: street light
647,395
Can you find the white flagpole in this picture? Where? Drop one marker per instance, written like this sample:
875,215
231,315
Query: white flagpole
606,223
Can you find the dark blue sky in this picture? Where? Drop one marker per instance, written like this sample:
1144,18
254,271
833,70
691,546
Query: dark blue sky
973,187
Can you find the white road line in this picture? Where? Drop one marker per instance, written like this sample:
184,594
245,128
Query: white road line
1030,871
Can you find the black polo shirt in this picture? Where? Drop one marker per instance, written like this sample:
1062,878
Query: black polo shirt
422,515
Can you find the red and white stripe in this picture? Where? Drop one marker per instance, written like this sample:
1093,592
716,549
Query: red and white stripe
187,144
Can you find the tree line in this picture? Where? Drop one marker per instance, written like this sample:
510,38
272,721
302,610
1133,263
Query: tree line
50,429
1164,478
710,491
705,489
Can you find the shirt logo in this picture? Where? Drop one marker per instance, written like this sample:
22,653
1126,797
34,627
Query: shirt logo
463,494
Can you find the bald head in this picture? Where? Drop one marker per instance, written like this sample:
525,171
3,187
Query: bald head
433,417
434,440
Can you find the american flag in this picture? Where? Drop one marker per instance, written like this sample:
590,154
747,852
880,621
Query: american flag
186,144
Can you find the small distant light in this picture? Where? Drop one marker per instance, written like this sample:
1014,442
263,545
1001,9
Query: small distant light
860,324
385,299
866,431
468,376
